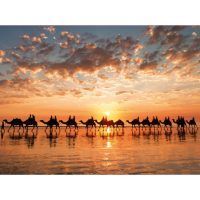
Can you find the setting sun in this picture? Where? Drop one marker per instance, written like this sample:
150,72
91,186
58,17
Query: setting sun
107,113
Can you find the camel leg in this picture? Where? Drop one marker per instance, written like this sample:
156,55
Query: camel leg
9,128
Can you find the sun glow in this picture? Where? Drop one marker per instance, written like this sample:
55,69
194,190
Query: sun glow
107,113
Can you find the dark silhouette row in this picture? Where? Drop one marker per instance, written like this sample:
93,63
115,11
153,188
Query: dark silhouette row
91,122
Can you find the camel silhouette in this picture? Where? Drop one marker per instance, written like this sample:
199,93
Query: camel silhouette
31,122
134,122
145,123
88,123
52,122
180,122
192,123
70,123
166,122
15,122
155,122
105,122
119,123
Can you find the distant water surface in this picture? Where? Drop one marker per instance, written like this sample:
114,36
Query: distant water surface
159,152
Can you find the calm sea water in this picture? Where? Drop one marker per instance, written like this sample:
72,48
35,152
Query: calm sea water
157,152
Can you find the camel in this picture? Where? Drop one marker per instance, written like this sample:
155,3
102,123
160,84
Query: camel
155,122
15,122
30,122
180,122
119,122
70,123
105,122
101,123
134,122
89,122
145,122
52,122
166,122
192,123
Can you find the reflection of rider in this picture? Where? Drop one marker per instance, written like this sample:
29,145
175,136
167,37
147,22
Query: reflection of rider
73,119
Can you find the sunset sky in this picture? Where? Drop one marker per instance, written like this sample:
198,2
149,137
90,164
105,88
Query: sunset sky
89,70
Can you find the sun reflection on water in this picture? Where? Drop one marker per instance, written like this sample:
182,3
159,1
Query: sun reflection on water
108,144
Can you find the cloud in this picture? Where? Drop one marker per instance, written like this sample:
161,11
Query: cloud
164,34
121,92
4,60
152,65
45,49
50,29
2,53
25,37
85,59
15,55
173,38
138,61
76,92
77,65
43,36
103,76
64,45
26,48
36,40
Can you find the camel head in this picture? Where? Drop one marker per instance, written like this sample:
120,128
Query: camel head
6,121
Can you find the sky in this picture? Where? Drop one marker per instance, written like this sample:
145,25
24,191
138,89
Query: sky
126,71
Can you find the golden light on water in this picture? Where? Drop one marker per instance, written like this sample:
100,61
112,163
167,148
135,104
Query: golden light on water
108,130
108,144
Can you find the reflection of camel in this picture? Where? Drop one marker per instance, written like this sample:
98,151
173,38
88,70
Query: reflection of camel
180,122
15,122
88,123
91,132
134,122
166,122
192,123
69,123
52,122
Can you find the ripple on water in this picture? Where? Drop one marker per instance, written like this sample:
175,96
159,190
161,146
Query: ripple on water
128,154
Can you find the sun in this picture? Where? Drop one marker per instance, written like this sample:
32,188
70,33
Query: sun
107,113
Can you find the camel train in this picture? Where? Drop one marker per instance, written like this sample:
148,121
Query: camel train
71,122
